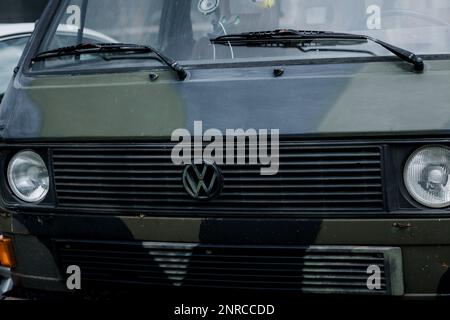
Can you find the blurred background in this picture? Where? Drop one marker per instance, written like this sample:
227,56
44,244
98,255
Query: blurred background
17,19
17,11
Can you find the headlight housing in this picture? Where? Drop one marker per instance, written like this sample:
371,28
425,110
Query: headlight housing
427,176
28,177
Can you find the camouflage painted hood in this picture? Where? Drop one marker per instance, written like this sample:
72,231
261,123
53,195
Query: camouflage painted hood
355,98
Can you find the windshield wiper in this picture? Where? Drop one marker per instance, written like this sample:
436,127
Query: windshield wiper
98,48
303,38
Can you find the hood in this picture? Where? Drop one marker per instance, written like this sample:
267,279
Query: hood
316,99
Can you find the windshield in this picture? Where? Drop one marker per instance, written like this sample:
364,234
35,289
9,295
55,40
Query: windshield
182,29
10,52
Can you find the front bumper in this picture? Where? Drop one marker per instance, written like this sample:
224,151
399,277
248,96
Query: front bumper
424,243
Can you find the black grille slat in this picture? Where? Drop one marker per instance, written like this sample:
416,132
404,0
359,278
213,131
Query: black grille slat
218,262
230,276
311,178
249,170
205,264
188,253
230,180
305,289
236,209
89,187
307,286
303,174
144,157
314,269
222,202
311,163
335,185
253,279
137,194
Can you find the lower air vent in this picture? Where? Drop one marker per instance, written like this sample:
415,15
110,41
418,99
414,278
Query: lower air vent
307,270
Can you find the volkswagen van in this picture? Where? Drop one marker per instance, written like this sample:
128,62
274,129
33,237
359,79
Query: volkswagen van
138,162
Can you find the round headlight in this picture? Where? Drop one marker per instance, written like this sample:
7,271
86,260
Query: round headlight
28,177
427,176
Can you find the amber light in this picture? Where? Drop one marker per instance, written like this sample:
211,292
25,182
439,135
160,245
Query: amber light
6,253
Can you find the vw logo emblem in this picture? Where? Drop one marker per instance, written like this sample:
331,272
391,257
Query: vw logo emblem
203,181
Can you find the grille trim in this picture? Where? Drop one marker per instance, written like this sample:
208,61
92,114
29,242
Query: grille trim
316,269
312,179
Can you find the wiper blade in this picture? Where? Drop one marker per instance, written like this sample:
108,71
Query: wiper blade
293,38
96,48
87,48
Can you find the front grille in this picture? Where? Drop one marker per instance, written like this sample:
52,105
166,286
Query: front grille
311,179
307,270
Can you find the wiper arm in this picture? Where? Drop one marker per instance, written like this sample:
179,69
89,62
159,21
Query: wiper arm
95,48
292,38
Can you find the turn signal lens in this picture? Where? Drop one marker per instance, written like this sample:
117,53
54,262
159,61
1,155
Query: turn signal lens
6,253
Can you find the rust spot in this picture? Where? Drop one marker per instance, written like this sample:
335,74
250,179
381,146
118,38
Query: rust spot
400,225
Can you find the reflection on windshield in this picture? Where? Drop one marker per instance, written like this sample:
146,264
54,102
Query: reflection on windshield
182,29
10,52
